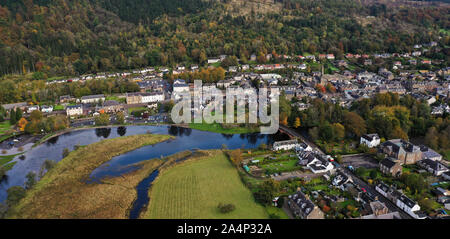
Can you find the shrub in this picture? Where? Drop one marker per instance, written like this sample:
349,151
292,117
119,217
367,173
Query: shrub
226,208
65,152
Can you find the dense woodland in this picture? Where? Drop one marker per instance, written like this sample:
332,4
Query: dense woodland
61,37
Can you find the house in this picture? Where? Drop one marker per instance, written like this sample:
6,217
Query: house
32,108
409,206
133,98
47,109
341,179
401,150
303,147
434,167
152,97
112,106
402,201
370,140
303,208
213,60
74,110
66,99
428,153
383,189
380,211
285,145
390,167
15,106
446,175
92,99
318,163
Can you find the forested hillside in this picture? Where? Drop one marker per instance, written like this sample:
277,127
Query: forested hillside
62,37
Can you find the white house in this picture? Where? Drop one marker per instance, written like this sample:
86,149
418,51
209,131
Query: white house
285,145
32,108
370,140
320,165
92,99
152,97
74,110
213,60
47,109
409,206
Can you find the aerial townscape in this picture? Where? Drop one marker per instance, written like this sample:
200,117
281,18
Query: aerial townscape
88,89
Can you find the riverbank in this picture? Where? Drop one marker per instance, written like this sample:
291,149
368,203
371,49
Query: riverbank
194,188
64,192
230,129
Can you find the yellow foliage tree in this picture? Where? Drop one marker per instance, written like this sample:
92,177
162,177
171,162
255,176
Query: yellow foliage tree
22,124
297,122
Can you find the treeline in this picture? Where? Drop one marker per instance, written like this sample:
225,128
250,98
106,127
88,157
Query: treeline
389,115
77,37
36,91
207,75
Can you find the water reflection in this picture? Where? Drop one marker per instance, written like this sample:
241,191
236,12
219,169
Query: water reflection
122,131
103,132
53,140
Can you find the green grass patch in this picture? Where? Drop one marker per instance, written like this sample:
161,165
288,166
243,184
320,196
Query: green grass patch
5,126
131,110
194,189
277,212
224,128
5,161
58,107
284,166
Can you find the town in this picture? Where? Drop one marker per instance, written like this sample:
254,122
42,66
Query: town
376,178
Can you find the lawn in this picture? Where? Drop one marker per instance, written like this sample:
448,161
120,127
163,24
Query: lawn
194,189
284,166
58,107
275,211
116,98
219,128
5,126
5,161
64,193
131,110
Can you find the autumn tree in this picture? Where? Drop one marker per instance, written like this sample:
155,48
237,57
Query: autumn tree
22,124
354,124
297,122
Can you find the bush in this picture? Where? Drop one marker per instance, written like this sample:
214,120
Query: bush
226,208
65,152
273,216
15,194
2,173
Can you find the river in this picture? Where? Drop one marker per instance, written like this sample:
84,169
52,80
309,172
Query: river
186,139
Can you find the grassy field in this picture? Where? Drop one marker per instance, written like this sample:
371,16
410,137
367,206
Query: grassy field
218,128
64,193
5,161
5,126
285,166
194,189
